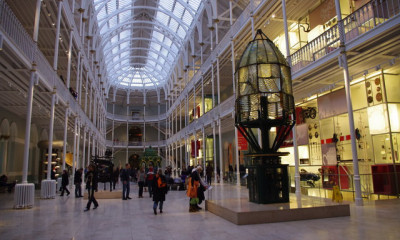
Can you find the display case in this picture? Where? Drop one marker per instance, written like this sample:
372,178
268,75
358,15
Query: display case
384,179
331,176
55,164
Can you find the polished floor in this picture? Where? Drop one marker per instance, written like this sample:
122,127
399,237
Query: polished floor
63,218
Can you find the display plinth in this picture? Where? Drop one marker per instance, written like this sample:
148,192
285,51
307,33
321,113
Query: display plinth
105,195
24,195
268,179
48,189
231,203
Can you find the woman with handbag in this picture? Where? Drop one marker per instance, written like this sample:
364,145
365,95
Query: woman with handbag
196,187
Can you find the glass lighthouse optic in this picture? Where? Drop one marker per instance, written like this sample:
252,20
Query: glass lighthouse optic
264,101
264,94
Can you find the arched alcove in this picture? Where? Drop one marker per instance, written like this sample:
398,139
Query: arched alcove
4,137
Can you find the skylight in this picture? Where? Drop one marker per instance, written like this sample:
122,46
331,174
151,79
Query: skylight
141,42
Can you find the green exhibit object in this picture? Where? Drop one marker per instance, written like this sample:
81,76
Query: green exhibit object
264,104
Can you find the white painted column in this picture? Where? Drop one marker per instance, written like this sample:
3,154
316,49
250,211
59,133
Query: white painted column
78,148
24,196
65,137
57,40
144,126
158,124
127,135
112,129
186,154
37,20
203,105
295,148
218,82
27,127
84,148
176,159
88,152
94,144
48,186
212,84
343,63
204,151
220,149
214,153
79,90
51,128
195,147
180,116
74,155
69,59
77,73
186,110
180,153
237,157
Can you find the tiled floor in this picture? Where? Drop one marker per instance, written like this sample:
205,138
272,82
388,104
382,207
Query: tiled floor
63,218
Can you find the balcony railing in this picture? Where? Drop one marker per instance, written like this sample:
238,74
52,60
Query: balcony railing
122,144
359,22
15,32
140,118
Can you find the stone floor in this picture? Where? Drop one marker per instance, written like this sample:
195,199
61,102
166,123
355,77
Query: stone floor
63,218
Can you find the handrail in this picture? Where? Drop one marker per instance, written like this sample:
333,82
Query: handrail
149,118
118,143
359,22
14,29
10,25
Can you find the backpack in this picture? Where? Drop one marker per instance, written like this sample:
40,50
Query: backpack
162,182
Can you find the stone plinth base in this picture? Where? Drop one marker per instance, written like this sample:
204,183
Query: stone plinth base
24,195
48,189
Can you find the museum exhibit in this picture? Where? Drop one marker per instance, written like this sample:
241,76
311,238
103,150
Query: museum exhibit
288,111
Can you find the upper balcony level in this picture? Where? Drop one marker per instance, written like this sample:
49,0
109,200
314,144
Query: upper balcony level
370,34
136,118
366,18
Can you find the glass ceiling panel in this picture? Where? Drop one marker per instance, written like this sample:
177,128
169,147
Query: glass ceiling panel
118,21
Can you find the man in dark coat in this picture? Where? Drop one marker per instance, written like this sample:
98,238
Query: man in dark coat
64,183
91,186
125,179
78,183
159,190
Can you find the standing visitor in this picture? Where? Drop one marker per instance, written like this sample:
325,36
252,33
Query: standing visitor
159,190
125,176
91,186
115,176
64,183
78,183
195,190
141,176
150,177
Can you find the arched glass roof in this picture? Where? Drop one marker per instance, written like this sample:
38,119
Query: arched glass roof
141,39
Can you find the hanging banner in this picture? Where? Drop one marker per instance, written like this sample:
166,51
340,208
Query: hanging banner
242,142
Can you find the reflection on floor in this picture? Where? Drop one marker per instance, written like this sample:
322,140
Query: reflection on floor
63,218
231,202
